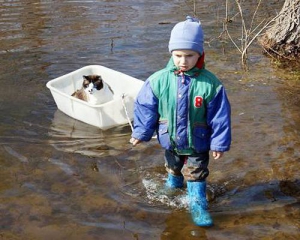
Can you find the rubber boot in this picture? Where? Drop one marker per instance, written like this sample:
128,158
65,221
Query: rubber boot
174,181
198,204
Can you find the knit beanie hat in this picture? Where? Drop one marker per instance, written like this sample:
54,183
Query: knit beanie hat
187,35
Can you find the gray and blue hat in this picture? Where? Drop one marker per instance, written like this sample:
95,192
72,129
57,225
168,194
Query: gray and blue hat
187,35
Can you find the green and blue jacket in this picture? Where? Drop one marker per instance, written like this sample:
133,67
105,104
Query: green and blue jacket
189,111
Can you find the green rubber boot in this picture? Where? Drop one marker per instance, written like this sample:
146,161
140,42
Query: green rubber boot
198,204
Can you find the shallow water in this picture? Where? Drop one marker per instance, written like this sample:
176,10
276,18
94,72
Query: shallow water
63,179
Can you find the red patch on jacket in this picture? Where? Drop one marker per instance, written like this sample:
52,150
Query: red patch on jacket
198,101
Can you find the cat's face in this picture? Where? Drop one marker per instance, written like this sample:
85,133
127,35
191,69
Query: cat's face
91,82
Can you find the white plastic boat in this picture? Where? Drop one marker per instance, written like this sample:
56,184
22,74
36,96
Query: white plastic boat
118,111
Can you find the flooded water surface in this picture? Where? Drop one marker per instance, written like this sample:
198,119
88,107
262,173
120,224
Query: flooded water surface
64,179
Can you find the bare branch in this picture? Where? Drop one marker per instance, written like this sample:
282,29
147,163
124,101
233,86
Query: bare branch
254,15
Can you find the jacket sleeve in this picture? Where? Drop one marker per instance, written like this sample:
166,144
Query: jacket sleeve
219,120
145,113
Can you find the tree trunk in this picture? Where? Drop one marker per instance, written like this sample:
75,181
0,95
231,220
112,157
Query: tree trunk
282,40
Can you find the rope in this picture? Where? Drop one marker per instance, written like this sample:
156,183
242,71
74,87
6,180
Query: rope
127,115
126,112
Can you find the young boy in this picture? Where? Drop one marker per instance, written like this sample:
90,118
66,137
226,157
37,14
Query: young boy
188,108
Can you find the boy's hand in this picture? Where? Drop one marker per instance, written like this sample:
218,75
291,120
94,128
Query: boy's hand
134,141
217,155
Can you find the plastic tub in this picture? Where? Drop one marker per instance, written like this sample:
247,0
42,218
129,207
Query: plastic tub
118,111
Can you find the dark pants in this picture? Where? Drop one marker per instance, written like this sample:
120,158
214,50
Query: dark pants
192,167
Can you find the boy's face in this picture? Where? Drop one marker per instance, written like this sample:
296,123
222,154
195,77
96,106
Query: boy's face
185,59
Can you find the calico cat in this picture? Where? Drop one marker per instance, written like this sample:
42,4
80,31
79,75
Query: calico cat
94,90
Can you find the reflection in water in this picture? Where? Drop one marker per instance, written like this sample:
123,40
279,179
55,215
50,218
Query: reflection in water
76,137
16,154
63,179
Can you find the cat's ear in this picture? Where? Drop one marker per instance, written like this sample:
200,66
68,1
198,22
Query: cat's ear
86,77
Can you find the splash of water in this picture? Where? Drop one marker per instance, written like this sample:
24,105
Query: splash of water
156,192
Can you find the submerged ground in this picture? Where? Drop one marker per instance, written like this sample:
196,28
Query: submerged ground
63,179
